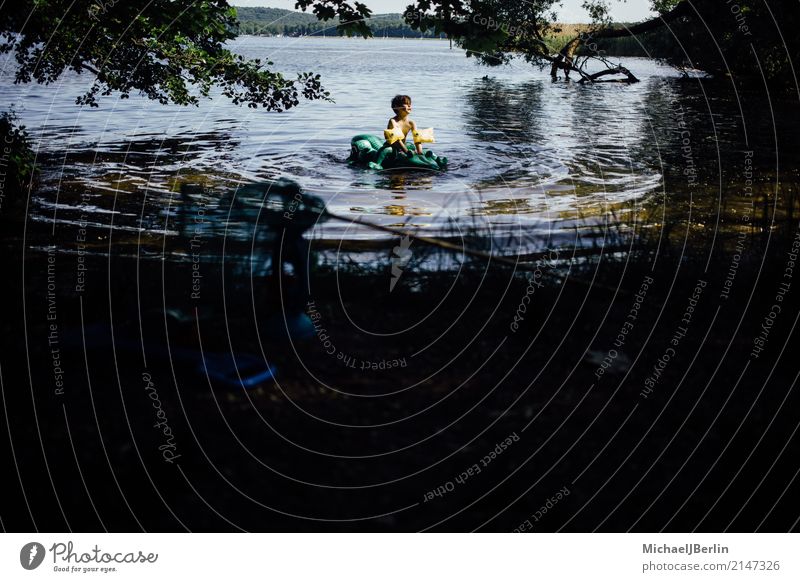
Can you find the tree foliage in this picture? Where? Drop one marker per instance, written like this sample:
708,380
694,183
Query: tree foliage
279,21
169,51
352,17
17,159
744,38
750,40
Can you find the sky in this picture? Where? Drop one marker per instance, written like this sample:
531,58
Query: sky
630,11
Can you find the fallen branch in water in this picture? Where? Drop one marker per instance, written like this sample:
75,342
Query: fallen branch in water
631,78
566,61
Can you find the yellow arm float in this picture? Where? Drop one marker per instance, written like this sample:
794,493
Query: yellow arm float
424,136
393,135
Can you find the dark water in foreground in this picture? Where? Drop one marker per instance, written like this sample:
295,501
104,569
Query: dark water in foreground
530,159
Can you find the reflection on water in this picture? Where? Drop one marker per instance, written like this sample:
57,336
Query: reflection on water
524,153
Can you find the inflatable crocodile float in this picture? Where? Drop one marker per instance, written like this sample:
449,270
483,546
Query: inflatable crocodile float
368,151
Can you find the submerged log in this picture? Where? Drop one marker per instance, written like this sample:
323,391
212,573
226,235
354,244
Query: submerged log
630,77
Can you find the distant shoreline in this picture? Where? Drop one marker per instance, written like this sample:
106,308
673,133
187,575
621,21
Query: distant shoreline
334,36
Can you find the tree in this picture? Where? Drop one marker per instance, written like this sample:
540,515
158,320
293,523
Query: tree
172,52
750,40
169,51
746,38
494,30
17,160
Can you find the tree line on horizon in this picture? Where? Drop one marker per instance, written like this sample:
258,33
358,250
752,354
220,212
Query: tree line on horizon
263,21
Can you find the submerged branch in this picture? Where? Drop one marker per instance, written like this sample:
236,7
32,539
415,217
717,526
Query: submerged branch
631,78
565,60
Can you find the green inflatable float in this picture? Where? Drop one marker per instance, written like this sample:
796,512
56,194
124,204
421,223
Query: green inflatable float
368,151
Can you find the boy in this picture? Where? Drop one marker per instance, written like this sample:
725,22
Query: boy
401,105
397,129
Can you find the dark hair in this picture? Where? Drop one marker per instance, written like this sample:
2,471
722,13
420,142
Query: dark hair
400,100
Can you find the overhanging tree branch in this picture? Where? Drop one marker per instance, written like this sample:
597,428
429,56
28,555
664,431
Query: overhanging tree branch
565,60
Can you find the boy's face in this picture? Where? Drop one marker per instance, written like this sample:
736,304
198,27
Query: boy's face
404,109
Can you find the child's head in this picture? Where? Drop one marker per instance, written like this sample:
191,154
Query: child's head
399,102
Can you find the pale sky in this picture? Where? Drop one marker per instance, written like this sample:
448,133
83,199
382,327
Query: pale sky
630,11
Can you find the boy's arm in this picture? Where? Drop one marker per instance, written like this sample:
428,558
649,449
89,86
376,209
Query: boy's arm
402,142
417,145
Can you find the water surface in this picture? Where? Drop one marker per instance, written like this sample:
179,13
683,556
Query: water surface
526,155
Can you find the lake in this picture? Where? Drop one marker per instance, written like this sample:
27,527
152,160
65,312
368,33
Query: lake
529,158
